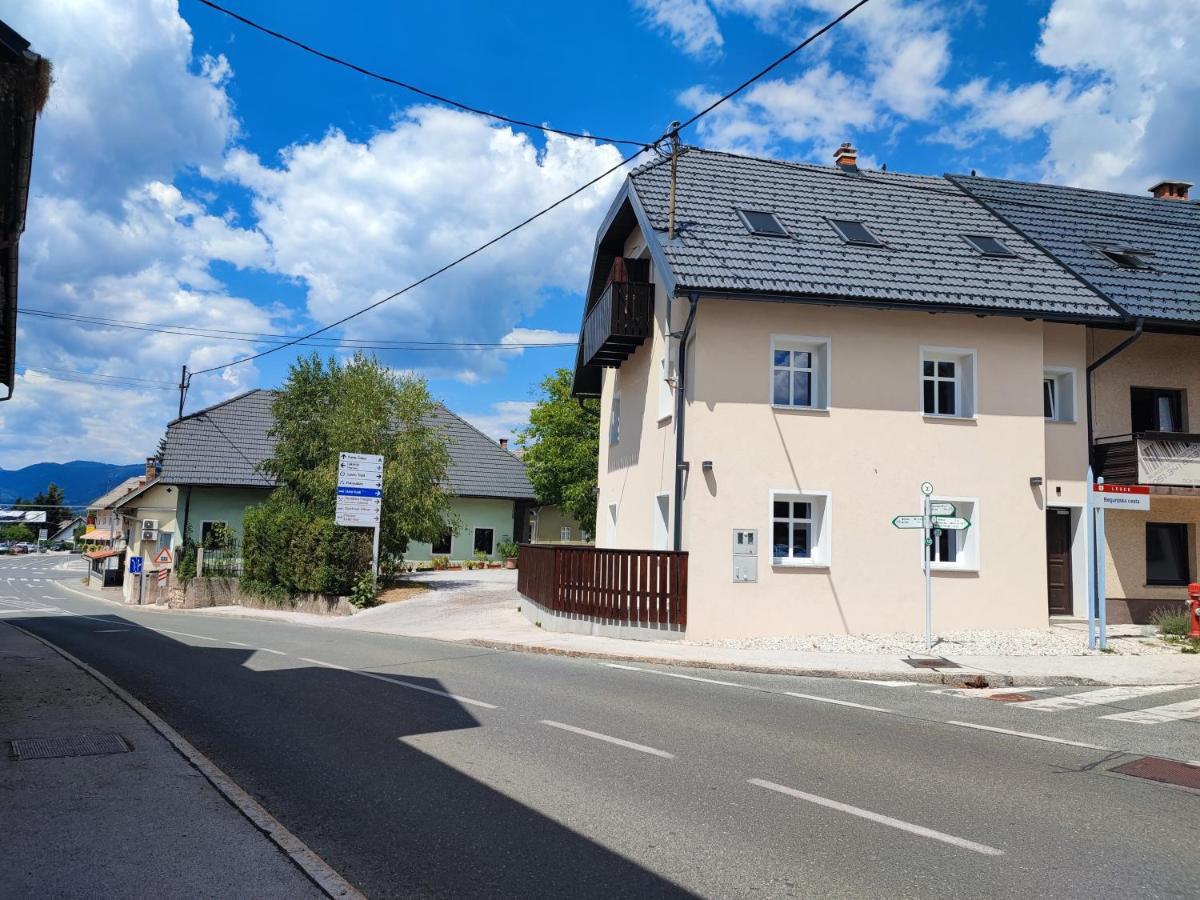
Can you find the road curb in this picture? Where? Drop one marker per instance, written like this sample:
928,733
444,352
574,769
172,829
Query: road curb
317,870
949,679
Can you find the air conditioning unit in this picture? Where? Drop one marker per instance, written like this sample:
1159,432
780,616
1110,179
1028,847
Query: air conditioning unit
149,524
149,535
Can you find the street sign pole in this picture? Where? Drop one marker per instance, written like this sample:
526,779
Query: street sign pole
1101,576
927,550
375,553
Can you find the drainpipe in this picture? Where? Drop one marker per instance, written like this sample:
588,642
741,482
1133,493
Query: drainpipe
680,389
1137,333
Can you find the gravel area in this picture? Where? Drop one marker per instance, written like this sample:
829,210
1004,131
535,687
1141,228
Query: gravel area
1055,641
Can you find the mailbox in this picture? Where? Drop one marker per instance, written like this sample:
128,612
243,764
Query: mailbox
745,554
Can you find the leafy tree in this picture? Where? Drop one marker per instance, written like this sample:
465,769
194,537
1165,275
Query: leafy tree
361,406
17,533
562,449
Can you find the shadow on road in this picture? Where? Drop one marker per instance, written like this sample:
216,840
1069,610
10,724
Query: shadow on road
323,751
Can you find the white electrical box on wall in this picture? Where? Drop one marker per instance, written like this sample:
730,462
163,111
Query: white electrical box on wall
745,554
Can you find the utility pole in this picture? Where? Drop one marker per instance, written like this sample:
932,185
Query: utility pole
183,385
671,199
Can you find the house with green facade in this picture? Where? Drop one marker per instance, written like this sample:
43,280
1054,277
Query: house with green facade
213,458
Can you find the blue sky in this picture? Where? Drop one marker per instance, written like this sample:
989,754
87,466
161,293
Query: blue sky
189,170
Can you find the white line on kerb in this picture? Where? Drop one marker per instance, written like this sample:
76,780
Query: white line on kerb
1036,737
641,748
878,817
886,683
678,675
400,682
837,702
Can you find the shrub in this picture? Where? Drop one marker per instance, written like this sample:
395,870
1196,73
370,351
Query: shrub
441,563
508,549
185,569
1170,621
365,591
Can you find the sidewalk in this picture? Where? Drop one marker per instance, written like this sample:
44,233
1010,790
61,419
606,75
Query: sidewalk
480,608
134,818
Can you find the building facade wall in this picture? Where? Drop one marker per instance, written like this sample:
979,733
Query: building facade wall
217,504
473,512
547,523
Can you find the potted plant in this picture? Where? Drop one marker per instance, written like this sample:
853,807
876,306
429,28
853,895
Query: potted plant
509,550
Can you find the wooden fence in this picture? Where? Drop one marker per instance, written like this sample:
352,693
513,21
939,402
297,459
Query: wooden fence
633,587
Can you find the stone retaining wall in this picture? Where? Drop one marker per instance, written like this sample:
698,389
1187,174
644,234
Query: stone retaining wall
203,592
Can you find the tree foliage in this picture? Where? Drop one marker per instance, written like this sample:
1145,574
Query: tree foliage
326,408
562,448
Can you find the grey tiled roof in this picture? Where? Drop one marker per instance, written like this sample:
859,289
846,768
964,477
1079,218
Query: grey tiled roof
112,498
1068,222
224,444
921,219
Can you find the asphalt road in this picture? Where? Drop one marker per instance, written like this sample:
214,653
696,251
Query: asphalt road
422,768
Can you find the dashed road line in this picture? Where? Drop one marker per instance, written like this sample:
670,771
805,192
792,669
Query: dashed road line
1035,737
607,738
400,682
881,819
836,702
684,677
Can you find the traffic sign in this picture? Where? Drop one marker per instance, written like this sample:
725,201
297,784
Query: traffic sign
940,508
163,558
926,488
909,521
951,523
162,576
1123,496
135,565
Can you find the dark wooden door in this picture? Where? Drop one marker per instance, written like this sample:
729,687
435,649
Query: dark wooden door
1058,560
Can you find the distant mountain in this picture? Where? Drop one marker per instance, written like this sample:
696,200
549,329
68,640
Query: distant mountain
81,481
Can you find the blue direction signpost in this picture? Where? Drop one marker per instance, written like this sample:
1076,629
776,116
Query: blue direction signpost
360,494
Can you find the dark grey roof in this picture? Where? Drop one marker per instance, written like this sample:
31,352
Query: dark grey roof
223,445
922,220
478,465
1070,222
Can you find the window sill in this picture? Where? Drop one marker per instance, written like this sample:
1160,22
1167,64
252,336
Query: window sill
662,420
777,563
820,410
938,417
952,567
1061,421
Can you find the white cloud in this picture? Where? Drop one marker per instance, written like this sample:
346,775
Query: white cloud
355,221
691,23
1120,113
505,419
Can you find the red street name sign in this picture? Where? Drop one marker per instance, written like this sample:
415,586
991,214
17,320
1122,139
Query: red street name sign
1122,489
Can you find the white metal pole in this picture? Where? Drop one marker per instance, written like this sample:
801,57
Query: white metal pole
927,549
375,553
1090,511
1101,576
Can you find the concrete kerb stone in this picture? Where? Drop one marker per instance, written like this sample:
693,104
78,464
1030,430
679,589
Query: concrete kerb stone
316,869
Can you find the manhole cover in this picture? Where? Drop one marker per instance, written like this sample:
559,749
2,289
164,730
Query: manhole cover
1165,770
936,663
79,745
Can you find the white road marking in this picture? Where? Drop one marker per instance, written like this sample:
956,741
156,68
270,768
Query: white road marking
1172,712
1100,697
237,643
900,824
110,630
678,675
400,682
886,683
199,637
837,702
269,650
641,748
984,693
1036,737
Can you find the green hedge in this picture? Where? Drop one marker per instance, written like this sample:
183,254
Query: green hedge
289,547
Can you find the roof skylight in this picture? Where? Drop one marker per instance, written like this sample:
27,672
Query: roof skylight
988,245
762,222
1126,257
855,233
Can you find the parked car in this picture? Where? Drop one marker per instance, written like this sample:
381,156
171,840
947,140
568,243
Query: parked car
3,547
19,548
57,546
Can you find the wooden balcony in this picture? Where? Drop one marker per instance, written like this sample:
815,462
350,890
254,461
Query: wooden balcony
618,323
1164,458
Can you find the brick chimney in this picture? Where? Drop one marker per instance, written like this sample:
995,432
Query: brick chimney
1171,190
846,157
503,443
151,468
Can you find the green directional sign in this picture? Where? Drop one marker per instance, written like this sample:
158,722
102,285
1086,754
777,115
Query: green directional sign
951,523
940,508
909,521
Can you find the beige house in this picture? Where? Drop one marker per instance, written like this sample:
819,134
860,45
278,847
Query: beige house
849,335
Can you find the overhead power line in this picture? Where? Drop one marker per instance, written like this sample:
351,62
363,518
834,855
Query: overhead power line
253,337
673,131
337,60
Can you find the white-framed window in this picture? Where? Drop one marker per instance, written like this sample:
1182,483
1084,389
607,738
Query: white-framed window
801,527
1058,394
612,525
957,550
662,522
564,533
614,419
948,382
799,372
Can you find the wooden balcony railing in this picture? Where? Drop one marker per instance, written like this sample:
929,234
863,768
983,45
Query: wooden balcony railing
618,324
633,587
1157,458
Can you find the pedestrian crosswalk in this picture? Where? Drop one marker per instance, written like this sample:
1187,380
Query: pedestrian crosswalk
1100,701
1172,712
17,604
